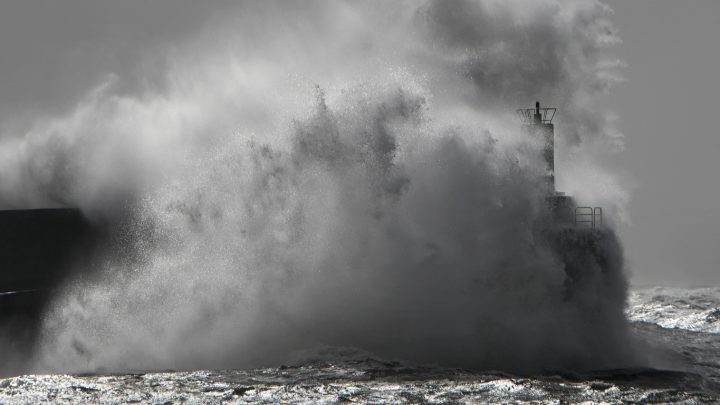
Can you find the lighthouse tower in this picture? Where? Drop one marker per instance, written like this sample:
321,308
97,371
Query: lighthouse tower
537,122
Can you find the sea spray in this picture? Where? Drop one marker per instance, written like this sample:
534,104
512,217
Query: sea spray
341,175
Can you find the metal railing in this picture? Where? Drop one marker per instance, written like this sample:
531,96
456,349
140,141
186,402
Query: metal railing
588,216
527,115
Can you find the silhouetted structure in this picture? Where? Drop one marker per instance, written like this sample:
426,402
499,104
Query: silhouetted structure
584,247
39,249
538,122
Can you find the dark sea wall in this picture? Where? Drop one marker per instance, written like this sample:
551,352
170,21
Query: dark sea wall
38,247
39,250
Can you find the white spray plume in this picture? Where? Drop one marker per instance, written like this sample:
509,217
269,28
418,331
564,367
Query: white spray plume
333,173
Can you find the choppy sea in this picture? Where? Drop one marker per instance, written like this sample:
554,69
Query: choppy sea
683,323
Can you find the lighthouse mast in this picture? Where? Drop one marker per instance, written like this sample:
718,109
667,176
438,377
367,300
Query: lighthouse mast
538,122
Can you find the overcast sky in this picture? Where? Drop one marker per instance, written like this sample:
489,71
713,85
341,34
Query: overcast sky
52,52
669,110
55,51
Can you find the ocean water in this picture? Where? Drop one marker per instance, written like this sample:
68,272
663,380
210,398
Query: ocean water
680,325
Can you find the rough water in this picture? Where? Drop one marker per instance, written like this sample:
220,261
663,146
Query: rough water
677,322
696,310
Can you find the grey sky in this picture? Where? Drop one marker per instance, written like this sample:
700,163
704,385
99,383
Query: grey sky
669,110
52,52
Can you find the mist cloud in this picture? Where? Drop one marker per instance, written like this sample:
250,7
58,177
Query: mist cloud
333,174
